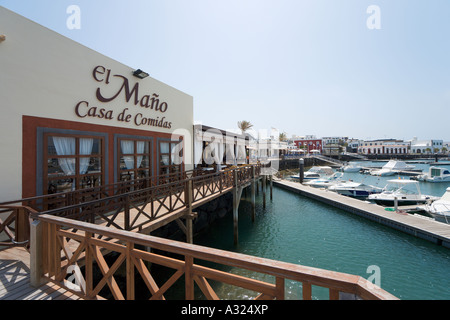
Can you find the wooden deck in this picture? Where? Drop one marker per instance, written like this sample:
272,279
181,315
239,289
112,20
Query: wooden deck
15,279
430,230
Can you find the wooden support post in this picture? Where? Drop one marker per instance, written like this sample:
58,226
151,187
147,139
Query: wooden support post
130,272
36,269
237,192
127,212
264,191
253,187
188,228
188,278
271,187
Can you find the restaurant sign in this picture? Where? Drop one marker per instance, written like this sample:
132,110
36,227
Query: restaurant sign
146,102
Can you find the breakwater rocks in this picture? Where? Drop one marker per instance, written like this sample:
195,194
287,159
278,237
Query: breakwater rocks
206,215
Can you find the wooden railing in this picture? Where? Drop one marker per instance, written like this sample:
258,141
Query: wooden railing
67,252
131,205
15,226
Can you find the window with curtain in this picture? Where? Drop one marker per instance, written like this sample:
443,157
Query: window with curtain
134,159
72,162
170,157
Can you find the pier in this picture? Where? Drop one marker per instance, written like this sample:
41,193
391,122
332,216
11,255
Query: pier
436,232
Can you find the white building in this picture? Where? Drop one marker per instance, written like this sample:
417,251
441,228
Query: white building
73,118
384,146
426,146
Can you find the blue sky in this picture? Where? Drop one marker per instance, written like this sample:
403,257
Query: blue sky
301,66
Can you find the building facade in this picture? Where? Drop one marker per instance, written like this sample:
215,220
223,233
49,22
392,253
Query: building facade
309,145
385,147
73,118
427,146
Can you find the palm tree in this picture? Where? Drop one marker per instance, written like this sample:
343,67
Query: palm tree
244,125
283,136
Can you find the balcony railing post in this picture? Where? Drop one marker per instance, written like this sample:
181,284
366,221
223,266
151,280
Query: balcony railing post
127,212
189,261
36,254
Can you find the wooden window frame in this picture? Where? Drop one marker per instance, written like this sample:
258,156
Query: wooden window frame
171,166
149,154
77,176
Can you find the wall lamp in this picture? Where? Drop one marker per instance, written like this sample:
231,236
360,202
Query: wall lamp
2,37
140,74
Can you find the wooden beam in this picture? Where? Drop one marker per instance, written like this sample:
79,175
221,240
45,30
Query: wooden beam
36,270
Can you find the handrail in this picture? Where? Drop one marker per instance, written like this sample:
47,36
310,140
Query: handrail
162,199
16,226
54,232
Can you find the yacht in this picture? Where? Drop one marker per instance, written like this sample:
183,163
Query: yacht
396,190
391,168
326,181
351,168
440,209
435,174
315,173
355,189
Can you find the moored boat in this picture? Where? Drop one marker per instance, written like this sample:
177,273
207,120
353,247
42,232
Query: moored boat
315,173
327,181
435,174
355,189
391,168
396,192
440,209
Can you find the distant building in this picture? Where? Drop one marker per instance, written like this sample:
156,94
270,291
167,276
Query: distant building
426,146
353,145
310,145
333,140
385,147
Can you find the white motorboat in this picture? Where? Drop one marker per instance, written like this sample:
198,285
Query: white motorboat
355,189
351,168
440,209
315,173
397,191
391,168
435,174
327,181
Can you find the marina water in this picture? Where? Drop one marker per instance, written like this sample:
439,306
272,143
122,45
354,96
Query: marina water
299,230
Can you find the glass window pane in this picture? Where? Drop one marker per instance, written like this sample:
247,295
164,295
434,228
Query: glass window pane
164,160
90,181
145,162
94,166
96,147
165,147
143,174
64,146
53,168
67,165
127,146
60,185
127,162
51,150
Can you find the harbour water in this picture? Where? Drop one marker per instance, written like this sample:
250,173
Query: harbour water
299,230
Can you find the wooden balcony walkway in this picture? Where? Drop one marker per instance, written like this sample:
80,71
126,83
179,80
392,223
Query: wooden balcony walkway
140,211
15,279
